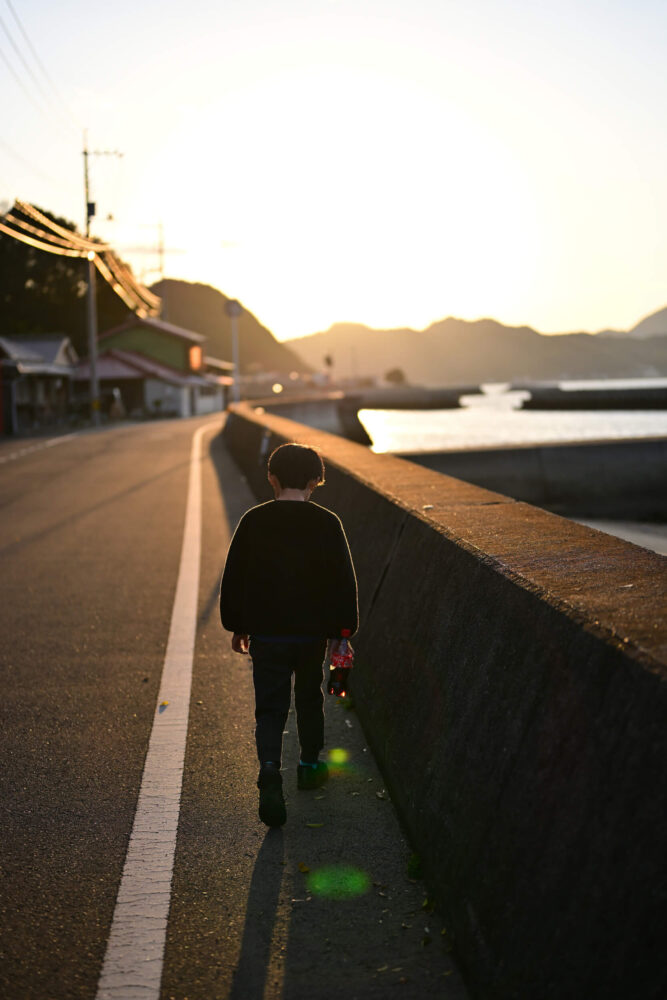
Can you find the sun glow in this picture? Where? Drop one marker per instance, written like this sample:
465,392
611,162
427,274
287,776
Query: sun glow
385,163
383,188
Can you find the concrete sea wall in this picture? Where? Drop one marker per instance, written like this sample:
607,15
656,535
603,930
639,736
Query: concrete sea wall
600,398
338,412
617,479
510,677
622,479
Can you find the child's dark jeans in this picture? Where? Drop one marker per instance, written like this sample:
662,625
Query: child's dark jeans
273,662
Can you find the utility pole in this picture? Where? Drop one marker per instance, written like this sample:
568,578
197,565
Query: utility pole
234,310
161,249
160,253
92,292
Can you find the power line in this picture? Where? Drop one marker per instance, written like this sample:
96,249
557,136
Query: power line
63,242
83,244
26,163
41,66
46,235
36,231
125,277
120,289
26,66
24,238
22,84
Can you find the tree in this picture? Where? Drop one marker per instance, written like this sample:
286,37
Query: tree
395,376
41,292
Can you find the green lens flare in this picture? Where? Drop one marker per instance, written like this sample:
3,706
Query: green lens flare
338,882
338,756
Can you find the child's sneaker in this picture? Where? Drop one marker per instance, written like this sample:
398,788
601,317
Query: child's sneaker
311,775
271,802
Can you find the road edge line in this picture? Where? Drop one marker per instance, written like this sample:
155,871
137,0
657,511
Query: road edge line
132,968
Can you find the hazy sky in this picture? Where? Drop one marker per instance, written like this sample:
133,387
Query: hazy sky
390,162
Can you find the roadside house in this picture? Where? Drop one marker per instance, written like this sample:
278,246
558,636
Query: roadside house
159,369
36,382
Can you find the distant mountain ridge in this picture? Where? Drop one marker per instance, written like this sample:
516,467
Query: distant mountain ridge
652,326
449,352
201,308
455,351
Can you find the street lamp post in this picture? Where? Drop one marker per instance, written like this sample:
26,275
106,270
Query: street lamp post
234,310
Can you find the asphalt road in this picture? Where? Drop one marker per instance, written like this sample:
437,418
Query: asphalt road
90,545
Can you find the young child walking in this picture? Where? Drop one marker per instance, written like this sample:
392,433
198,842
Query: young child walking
288,586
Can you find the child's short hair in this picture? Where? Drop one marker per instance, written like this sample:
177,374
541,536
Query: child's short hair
295,465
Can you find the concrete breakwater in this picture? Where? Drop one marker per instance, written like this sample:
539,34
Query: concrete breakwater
613,479
338,412
624,479
556,398
510,677
334,412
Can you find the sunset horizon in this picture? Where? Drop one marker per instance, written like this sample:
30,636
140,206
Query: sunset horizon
389,166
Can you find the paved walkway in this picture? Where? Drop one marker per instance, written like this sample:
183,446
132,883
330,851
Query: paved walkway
90,553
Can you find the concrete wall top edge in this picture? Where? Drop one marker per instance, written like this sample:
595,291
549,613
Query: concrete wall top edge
546,445
615,589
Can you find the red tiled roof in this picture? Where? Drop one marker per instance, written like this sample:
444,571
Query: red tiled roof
117,364
108,367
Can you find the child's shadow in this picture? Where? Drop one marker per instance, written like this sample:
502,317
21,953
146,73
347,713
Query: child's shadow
253,966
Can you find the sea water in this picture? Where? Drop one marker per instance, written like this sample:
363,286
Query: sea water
494,419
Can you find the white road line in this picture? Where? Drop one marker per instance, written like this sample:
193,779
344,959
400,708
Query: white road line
132,967
51,443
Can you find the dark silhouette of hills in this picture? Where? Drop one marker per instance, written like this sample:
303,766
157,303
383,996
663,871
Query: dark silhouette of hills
449,352
455,351
652,326
201,308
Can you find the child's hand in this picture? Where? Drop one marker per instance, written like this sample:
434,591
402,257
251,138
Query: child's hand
240,643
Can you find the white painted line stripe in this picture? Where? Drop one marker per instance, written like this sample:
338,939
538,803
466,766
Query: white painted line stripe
51,443
132,967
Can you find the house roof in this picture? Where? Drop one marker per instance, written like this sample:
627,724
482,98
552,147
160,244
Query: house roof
214,379
47,354
55,349
155,324
116,364
218,363
18,350
109,369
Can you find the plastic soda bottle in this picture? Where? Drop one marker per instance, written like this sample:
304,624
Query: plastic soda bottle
340,667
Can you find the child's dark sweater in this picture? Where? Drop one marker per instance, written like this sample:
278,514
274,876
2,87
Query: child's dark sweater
289,573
